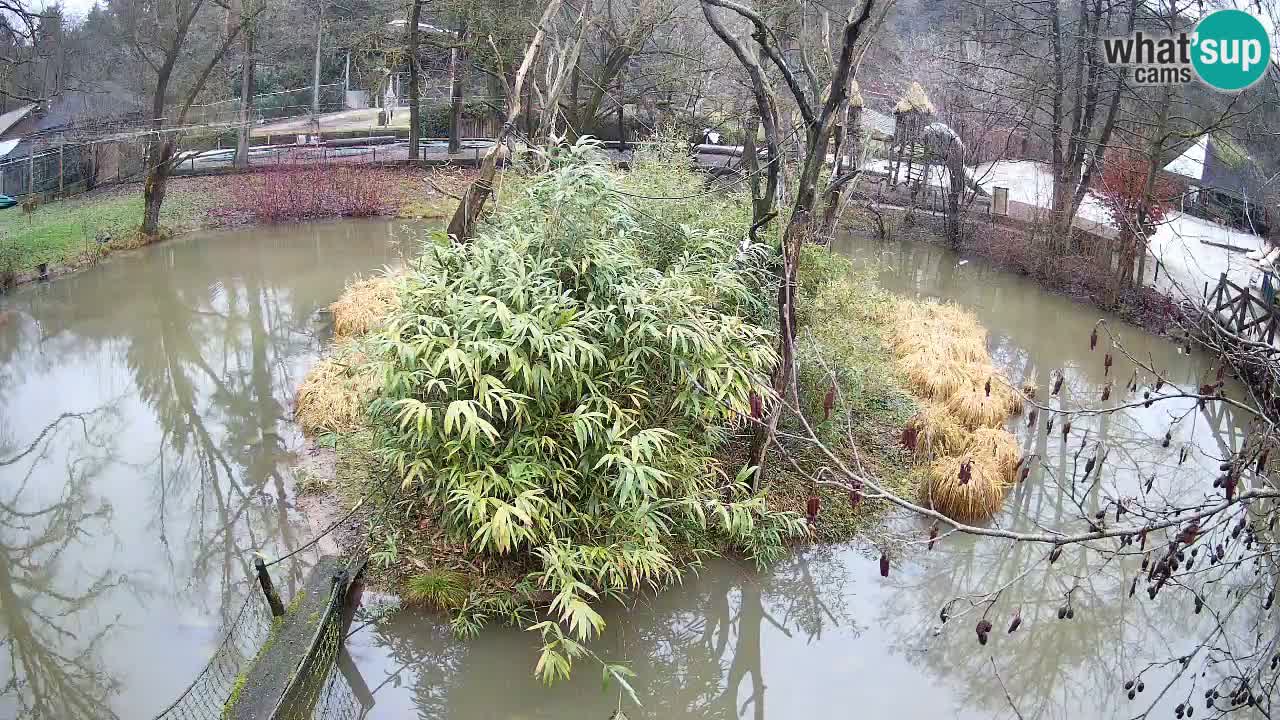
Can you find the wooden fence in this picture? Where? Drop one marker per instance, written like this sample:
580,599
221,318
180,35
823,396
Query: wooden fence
1242,312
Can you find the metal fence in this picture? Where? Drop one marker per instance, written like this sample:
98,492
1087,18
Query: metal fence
324,685
63,169
268,107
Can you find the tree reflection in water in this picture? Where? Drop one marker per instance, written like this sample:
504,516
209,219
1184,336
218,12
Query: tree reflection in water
50,649
696,649
203,340
1053,668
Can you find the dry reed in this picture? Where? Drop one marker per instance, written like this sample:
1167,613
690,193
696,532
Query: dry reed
942,355
973,501
335,394
364,305
997,445
937,433
975,408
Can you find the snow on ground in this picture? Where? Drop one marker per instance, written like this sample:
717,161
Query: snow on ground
1031,183
1187,262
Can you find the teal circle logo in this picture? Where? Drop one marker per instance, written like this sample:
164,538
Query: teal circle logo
1231,50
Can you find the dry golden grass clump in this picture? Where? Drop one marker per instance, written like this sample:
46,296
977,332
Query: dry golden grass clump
937,433
939,330
968,500
997,446
364,305
334,395
942,354
931,374
975,408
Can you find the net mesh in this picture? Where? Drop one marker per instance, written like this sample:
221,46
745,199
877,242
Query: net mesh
326,686
206,697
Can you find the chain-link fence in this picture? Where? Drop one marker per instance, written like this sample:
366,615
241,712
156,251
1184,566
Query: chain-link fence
279,105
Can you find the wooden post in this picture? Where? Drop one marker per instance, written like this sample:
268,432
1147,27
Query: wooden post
61,176
268,589
31,169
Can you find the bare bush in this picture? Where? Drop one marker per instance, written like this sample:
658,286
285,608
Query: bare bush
307,192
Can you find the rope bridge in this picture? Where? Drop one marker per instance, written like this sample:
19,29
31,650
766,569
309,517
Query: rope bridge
284,663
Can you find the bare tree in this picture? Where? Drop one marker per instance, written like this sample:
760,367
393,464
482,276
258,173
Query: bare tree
413,29
248,71
820,105
178,43
463,223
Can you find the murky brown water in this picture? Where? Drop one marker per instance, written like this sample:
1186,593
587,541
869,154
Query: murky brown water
127,527
184,359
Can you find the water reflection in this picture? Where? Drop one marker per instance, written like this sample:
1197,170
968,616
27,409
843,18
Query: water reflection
699,651
193,350
1054,668
53,667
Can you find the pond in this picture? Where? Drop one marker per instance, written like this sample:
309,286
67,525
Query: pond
823,635
145,436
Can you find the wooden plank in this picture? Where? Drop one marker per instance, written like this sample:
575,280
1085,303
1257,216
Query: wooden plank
1242,305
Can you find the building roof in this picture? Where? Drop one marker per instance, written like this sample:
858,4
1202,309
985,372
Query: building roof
422,26
13,117
878,124
1216,162
1229,170
915,100
1190,164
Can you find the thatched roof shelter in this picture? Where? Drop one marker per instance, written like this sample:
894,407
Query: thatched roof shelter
914,101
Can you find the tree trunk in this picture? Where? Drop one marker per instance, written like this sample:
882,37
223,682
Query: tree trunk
315,70
415,14
575,80
153,190
622,121
248,66
462,225
835,196
455,94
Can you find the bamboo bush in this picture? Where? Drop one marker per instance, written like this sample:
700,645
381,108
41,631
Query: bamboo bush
554,396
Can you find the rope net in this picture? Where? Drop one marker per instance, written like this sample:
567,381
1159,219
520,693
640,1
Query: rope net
206,697
325,686
328,686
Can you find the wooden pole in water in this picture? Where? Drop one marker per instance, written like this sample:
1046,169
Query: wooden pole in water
268,588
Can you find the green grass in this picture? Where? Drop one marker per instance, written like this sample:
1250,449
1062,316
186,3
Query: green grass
66,231
843,319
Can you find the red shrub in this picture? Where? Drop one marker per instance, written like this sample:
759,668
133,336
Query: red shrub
1122,187
304,192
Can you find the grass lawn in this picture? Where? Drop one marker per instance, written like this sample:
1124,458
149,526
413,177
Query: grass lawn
65,231
78,230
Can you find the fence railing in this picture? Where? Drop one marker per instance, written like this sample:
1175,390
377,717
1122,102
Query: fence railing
1242,312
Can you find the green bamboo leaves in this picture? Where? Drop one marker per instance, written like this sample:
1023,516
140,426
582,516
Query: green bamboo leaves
550,392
